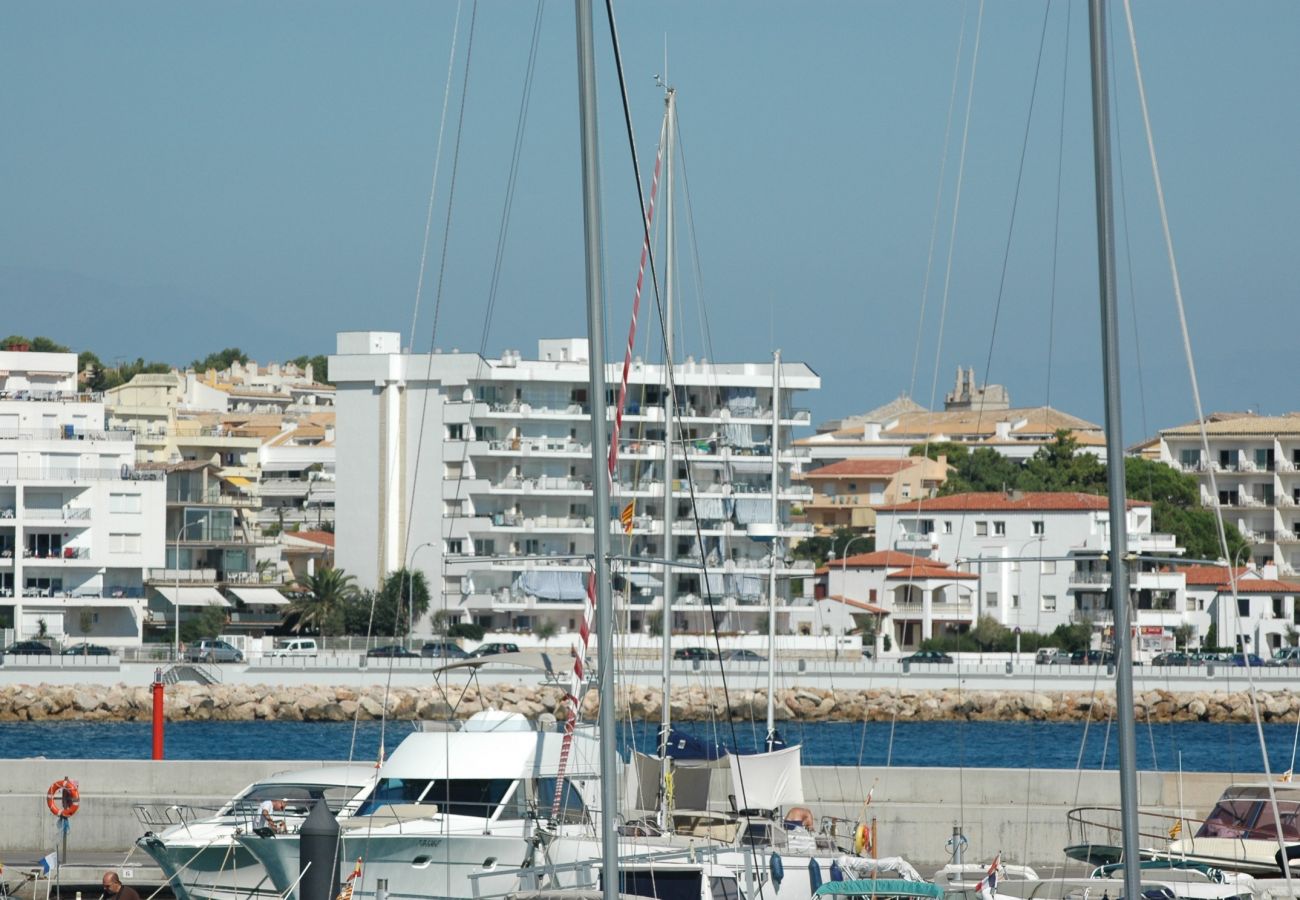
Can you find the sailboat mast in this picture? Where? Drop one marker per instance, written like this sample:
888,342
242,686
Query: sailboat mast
1119,590
669,545
609,766
775,549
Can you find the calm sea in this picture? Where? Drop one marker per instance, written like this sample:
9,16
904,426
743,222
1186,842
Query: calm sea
1200,747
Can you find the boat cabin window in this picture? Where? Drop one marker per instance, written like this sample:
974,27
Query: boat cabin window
297,797
724,888
477,797
662,884
571,805
1251,818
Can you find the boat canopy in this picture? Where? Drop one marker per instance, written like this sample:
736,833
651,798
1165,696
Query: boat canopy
879,887
768,780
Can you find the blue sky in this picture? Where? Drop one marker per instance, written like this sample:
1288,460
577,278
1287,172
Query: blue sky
178,178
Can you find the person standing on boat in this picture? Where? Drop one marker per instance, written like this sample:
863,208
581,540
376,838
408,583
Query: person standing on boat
267,813
116,890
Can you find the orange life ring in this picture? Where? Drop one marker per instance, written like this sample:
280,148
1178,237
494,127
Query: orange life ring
63,798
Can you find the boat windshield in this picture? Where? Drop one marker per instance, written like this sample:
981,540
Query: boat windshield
297,797
664,885
1251,818
479,797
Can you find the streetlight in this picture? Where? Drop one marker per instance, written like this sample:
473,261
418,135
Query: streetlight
410,611
844,590
176,602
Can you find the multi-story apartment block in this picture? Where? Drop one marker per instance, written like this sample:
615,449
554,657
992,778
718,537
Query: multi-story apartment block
478,471
845,494
1255,461
297,466
1038,558
79,523
1265,616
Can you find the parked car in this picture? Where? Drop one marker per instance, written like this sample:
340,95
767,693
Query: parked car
1177,658
1286,656
1049,656
443,650
212,650
87,650
1092,658
295,647
743,656
28,648
493,650
928,656
694,653
1242,660
391,651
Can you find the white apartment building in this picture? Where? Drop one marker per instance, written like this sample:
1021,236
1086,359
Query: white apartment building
79,524
1255,461
1038,562
297,466
478,471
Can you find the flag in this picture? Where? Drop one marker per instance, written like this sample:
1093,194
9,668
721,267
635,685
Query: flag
1176,829
345,892
626,517
988,886
49,863
1286,776
871,793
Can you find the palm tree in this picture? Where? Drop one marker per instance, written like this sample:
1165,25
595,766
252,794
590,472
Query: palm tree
320,609
408,592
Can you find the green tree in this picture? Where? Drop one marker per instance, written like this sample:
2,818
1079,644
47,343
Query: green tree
985,469
988,632
819,549
321,607
407,592
1176,509
955,453
468,630
208,623
220,360
1074,636
1061,466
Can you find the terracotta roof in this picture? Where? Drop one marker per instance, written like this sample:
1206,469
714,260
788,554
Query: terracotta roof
930,570
1208,576
1219,424
1262,586
880,559
318,537
858,604
850,467
998,501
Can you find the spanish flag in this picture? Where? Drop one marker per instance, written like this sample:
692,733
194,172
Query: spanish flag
626,516
345,892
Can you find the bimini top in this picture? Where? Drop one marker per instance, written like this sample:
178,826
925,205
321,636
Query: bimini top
880,887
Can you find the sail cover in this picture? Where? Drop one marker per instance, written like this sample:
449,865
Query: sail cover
767,780
558,585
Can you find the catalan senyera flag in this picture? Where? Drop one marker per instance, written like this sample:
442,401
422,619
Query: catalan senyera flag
345,892
626,517
1176,829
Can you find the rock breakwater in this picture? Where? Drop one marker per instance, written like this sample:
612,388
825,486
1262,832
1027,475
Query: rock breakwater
240,702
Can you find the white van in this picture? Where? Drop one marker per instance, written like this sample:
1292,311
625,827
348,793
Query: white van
295,647
1050,656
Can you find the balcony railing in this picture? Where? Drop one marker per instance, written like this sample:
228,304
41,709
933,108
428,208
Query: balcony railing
125,473
75,514
53,395
63,434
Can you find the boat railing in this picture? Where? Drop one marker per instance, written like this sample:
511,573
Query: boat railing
587,871
1099,826
159,817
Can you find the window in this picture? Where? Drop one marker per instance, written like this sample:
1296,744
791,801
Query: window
1049,603
485,547
456,432
1000,529
927,526
947,526
123,503
124,543
907,492
1015,601
1049,567
1189,459
1243,606
991,600
455,546
981,529
1038,526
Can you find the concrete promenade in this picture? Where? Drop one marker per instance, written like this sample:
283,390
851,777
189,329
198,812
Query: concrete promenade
350,669
1020,812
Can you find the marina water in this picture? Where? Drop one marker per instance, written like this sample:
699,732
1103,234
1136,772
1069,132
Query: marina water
1199,747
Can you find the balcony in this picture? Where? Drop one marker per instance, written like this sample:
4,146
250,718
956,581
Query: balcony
67,433
914,541
123,473
66,514
1261,537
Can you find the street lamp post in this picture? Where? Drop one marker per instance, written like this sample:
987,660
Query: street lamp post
410,611
176,601
844,590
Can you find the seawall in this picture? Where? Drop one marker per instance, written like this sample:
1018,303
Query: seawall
1020,812
248,702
